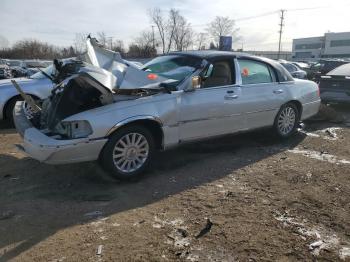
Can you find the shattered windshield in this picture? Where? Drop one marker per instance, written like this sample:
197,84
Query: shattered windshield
175,67
39,75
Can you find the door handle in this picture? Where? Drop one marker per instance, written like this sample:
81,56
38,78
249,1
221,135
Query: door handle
231,96
278,91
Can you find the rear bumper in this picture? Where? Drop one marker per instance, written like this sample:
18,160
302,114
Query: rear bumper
310,109
338,97
48,150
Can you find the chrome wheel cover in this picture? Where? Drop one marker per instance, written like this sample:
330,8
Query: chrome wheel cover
130,152
286,120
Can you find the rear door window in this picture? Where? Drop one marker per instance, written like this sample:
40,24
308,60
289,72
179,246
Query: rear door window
255,72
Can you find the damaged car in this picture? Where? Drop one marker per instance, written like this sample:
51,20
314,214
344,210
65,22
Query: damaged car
120,114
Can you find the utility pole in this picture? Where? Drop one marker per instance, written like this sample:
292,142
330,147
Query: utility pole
153,37
111,42
280,32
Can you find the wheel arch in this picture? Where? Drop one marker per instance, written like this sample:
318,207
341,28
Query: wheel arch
298,105
152,123
14,98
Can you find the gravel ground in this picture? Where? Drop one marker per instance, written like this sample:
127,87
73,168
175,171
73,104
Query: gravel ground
239,198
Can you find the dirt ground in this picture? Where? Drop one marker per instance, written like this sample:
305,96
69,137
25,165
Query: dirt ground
239,198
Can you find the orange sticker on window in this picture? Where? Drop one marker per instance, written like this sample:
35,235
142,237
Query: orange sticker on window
245,72
152,76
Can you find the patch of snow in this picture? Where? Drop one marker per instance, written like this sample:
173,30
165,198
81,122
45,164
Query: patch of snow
327,133
344,253
319,156
324,239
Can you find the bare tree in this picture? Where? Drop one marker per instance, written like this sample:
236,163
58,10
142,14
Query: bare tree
80,42
102,39
183,33
118,46
4,43
221,26
35,49
143,45
201,39
158,19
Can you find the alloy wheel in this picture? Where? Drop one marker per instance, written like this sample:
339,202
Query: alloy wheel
130,152
286,120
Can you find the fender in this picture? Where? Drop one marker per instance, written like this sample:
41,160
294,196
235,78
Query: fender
133,119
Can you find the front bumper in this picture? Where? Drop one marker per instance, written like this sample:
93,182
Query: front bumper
48,150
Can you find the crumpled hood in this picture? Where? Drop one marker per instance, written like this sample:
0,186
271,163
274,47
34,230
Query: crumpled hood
114,72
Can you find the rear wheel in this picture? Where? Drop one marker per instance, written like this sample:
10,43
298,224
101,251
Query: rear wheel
128,152
287,119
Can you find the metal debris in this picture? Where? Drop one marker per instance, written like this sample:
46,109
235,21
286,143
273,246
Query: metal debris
206,229
99,250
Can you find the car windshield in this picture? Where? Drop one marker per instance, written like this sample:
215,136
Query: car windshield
290,67
175,67
39,75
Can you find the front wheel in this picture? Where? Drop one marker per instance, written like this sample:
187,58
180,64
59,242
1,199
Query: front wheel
287,119
128,152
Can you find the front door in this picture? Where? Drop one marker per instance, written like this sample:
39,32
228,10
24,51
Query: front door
214,108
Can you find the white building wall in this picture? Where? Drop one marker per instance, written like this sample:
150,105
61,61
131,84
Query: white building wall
337,44
310,48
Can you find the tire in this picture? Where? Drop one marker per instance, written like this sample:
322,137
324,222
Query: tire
128,153
9,109
286,121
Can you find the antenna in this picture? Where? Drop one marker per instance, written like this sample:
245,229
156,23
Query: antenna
153,37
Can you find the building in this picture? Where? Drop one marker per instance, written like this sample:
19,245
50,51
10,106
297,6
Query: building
285,55
331,45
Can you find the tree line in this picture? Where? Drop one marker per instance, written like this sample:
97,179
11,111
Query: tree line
170,31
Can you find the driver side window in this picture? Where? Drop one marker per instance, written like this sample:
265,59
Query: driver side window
221,75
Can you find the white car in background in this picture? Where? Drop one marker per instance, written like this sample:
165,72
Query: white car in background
38,86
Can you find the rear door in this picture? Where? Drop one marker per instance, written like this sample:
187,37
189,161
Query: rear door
262,95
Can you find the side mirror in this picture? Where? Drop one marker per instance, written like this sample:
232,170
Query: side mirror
196,82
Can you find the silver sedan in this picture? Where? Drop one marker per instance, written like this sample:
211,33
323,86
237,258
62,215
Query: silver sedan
174,99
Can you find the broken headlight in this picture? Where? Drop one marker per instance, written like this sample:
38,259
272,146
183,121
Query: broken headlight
76,129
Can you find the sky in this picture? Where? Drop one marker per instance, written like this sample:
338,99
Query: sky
57,22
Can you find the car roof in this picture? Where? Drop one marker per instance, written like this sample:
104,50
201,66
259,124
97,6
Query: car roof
283,74
207,54
343,70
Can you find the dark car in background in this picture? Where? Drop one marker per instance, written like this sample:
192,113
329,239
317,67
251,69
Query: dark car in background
335,86
323,67
294,70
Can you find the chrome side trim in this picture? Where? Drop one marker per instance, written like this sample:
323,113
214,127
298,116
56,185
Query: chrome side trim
207,118
261,111
132,119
